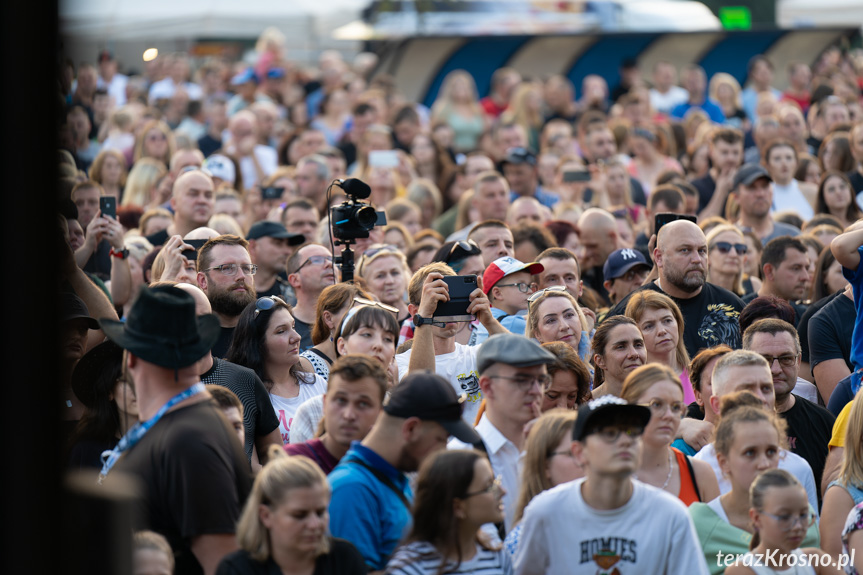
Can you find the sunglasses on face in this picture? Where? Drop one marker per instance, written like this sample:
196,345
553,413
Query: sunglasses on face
725,247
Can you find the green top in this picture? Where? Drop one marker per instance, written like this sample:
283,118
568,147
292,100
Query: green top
720,538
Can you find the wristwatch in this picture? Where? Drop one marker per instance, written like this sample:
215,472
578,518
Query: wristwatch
122,254
420,320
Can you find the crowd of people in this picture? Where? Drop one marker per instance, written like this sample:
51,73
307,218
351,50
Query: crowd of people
657,368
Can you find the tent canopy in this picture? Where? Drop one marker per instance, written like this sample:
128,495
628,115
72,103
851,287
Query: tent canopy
112,20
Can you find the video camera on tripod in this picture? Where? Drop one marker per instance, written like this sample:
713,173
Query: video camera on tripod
351,220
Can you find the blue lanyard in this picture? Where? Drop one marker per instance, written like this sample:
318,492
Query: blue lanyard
137,432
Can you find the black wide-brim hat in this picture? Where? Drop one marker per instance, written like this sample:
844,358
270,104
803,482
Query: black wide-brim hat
162,328
105,357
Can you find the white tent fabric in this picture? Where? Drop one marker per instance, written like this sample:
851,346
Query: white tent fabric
171,19
803,13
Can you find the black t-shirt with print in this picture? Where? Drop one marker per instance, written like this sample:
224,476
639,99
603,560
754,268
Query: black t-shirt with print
710,318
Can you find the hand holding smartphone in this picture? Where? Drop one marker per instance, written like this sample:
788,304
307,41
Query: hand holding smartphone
455,310
108,206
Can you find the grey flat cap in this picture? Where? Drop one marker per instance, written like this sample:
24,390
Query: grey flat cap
512,349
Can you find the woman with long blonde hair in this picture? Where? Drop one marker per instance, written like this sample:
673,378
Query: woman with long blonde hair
525,109
155,140
547,462
458,106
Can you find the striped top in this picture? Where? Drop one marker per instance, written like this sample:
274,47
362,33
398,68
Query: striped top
421,558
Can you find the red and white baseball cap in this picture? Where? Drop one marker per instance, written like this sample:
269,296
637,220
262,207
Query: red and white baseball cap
502,267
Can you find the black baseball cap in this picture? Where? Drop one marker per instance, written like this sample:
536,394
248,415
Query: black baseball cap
274,230
748,173
519,156
607,408
430,397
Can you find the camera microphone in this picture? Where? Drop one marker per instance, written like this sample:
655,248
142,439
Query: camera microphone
355,187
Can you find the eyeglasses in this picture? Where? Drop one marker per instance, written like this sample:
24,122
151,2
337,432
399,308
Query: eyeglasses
787,522
564,453
522,287
495,488
725,247
231,269
467,246
525,382
316,261
535,296
266,303
657,407
363,301
611,434
784,360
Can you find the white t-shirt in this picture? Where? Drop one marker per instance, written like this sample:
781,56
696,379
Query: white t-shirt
286,407
306,419
459,369
790,462
791,198
268,159
663,103
651,533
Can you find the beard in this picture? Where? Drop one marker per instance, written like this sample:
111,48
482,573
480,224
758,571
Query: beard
685,280
230,303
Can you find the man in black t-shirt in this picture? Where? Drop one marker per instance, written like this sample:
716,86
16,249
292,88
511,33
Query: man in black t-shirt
830,342
803,332
193,474
809,426
260,422
709,312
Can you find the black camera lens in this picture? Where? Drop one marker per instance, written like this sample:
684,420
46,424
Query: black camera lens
366,217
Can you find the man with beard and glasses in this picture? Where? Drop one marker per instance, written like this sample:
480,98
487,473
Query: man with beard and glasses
709,312
226,275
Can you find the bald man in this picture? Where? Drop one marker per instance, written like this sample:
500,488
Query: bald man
597,232
192,201
526,210
260,421
709,312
